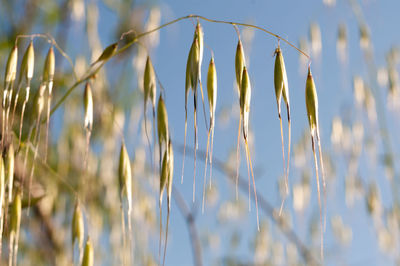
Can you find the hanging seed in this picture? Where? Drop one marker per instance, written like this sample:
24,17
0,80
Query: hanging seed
280,80
164,175
162,122
312,103
282,90
149,83
125,176
11,67
88,256
49,67
77,227
245,97
239,64
212,89
108,52
88,103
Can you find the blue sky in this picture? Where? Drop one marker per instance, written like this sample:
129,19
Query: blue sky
291,20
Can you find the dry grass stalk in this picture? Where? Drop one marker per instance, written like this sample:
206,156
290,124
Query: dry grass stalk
15,222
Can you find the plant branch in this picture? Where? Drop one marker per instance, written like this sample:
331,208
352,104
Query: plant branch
266,207
190,221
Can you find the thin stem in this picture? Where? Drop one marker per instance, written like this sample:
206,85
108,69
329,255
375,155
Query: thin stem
90,73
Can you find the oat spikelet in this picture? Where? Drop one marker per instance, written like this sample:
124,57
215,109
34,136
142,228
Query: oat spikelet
193,78
312,114
212,99
48,79
26,73
88,256
240,63
9,78
150,90
282,91
245,98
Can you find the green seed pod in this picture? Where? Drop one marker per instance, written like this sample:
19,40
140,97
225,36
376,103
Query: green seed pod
10,170
170,172
49,66
28,63
245,97
15,219
311,103
164,175
88,254
11,67
195,63
162,122
108,52
78,230
88,103
199,35
280,80
239,64
149,83
125,176
212,89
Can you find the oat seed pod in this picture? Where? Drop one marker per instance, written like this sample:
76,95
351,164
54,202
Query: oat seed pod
27,64
15,219
245,97
149,83
88,256
78,230
170,172
280,80
164,175
125,176
49,66
212,89
312,103
10,170
88,103
108,52
11,67
162,122
239,65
